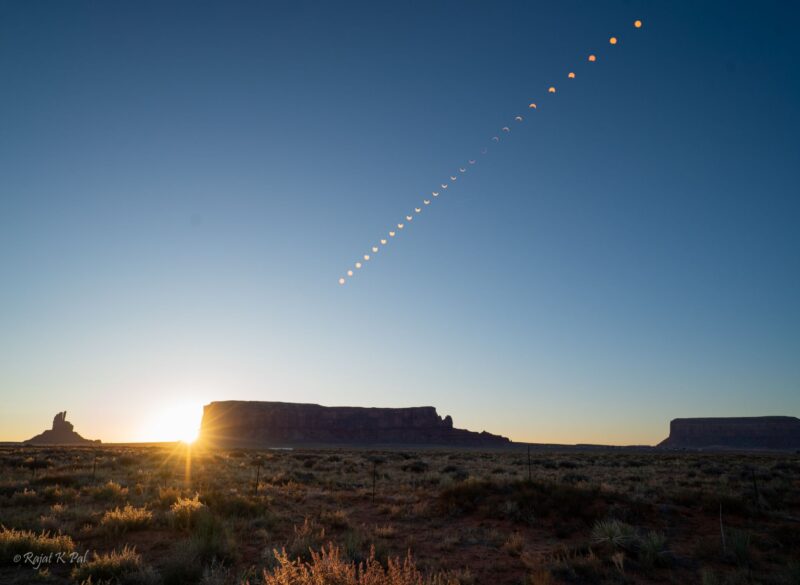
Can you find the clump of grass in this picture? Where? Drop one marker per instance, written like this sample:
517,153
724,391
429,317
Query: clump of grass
653,550
185,511
59,494
234,504
614,534
17,542
26,498
210,546
513,545
525,501
575,567
540,576
386,531
329,566
307,536
335,518
118,521
110,492
739,547
115,568
167,497
211,539
416,466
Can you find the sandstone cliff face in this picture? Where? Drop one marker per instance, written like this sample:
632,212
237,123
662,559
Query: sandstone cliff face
762,432
62,433
240,423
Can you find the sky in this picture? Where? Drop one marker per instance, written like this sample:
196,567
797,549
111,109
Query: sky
182,184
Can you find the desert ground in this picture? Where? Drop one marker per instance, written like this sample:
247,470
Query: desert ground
171,515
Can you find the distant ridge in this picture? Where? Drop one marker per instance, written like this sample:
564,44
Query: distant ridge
756,432
258,424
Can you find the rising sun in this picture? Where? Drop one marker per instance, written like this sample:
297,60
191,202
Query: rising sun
175,422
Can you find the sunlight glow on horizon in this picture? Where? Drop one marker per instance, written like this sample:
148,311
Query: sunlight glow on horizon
179,421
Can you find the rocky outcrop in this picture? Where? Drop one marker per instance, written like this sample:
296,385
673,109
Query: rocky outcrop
240,423
758,432
62,433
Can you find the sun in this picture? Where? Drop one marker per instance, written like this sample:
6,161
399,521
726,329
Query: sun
178,421
189,436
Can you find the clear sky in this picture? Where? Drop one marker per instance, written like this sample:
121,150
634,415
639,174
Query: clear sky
182,184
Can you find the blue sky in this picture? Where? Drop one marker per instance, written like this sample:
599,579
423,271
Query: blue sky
184,182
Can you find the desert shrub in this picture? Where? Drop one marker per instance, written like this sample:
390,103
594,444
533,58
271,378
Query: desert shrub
58,494
335,518
709,577
307,536
216,574
574,567
739,550
521,501
515,513
234,504
329,566
653,550
614,534
212,539
183,565
18,542
34,464
167,496
465,497
109,492
416,466
184,512
574,478
456,473
385,531
26,498
513,545
540,576
126,460
304,477
60,479
118,521
115,568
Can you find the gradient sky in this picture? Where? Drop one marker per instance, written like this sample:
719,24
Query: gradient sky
182,184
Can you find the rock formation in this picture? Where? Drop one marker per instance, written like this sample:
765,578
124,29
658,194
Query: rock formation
758,432
62,433
240,423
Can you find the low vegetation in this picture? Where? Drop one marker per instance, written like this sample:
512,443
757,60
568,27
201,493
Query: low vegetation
128,518
20,542
141,515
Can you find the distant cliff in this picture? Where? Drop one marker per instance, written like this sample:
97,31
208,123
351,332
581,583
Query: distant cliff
62,433
760,432
240,423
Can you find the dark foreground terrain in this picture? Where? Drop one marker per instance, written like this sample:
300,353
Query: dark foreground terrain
163,514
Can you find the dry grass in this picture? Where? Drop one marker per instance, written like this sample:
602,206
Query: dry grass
120,520
115,568
19,542
469,517
185,511
329,567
